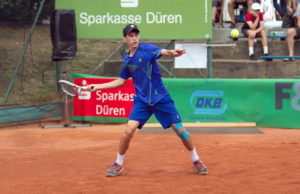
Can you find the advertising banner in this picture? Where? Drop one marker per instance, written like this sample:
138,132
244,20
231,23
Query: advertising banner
157,19
112,103
267,102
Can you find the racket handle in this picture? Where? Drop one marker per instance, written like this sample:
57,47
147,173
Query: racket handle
85,88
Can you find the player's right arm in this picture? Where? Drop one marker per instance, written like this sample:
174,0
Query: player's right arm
113,84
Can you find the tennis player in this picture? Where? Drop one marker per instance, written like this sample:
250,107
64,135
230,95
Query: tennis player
151,96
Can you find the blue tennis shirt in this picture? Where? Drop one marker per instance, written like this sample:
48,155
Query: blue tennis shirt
145,73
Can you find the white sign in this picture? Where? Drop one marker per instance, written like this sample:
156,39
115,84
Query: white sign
195,56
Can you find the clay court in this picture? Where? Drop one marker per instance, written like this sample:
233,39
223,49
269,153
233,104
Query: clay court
36,160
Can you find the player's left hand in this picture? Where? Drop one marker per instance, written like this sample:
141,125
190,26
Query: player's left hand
179,52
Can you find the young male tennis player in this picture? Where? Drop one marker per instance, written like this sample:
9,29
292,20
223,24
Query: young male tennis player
151,96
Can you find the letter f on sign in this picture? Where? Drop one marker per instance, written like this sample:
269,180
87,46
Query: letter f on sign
280,95
129,3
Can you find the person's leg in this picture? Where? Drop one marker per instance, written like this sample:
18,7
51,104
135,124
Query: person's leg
127,135
117,168
279,8
297,16
184,135
231,4
283,6
214,11
139,115
214,14
298,20
276,6
291,33
187,142
264,42
167,114
251,36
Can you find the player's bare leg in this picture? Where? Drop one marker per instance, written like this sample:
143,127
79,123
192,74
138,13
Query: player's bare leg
127,135
117,168
188,143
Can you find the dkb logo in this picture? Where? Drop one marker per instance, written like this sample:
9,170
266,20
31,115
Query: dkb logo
208,102
129,3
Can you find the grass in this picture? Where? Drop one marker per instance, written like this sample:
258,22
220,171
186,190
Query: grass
36,79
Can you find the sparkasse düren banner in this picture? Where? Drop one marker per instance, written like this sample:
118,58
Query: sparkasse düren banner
157,19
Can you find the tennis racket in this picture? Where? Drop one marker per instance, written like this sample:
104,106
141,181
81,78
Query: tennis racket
70,88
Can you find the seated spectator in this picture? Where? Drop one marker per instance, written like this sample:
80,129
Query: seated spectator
254,27
293,33
215,14
282,8
233,4
296,4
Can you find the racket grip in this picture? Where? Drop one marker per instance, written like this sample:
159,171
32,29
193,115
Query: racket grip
85,88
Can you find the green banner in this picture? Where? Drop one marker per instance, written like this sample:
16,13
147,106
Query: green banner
29,113
157,19
267,102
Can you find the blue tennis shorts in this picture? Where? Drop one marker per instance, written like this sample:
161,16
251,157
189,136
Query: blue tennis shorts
164,111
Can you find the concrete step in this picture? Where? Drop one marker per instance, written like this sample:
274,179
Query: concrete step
221,34
276,48
255,69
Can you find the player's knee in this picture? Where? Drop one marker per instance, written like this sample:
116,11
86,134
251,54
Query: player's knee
131,128
129,133
180,131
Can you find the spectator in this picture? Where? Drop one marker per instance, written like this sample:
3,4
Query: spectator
215,13
296,4
286,12
293,33
282,8
253,27
233,4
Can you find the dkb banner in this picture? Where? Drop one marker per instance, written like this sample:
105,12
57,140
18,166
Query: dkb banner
267,102
157,19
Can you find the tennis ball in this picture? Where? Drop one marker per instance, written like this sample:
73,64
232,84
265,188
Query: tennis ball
234,33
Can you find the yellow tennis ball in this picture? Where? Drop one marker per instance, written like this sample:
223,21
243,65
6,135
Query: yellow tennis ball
234,33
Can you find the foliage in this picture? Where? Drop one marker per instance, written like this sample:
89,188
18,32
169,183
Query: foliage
24,10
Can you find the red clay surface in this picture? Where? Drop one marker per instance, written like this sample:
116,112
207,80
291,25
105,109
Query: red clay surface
35,160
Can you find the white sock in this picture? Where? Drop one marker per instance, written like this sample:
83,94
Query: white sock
251,51
194,155
266,51
120,159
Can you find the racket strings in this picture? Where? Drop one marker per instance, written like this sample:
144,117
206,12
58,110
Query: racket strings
69,89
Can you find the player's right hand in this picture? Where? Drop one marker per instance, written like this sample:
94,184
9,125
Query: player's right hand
91,87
